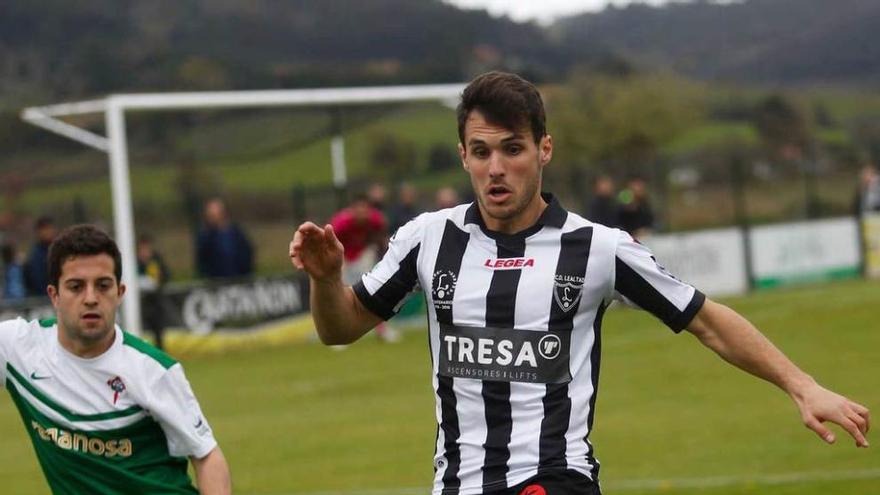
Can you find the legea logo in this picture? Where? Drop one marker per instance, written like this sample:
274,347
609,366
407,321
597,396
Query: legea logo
508,263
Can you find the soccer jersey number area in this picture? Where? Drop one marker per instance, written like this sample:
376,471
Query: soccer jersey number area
515,334
121,423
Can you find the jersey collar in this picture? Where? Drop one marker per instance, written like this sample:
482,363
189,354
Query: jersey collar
113,349
552,216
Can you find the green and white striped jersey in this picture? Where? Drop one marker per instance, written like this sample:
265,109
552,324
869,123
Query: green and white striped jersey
121,423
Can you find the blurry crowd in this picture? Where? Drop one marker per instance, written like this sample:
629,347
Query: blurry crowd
223,249
25,274
628,209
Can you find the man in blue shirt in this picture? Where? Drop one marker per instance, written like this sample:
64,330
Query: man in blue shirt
222,248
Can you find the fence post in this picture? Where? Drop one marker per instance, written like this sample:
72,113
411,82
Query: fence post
738,179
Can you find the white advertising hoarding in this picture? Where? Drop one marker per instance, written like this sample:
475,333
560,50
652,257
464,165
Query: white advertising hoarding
711,260
805,252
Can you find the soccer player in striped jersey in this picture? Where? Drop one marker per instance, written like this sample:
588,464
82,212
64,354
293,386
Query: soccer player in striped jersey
516,288
107,413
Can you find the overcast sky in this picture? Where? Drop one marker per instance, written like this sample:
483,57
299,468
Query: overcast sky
543,10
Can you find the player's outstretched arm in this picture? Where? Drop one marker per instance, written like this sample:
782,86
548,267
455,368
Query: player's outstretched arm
741,344
339,316
212,473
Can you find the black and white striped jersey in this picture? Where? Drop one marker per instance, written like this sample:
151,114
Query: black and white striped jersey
514,323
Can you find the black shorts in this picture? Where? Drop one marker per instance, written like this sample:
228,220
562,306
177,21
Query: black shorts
566,482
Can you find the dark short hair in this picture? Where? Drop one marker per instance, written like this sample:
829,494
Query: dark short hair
43,221
81,240
360,197
504,99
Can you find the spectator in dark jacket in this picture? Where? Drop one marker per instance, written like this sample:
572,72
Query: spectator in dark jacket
153,273
405,209
222,248
603,207
36,276
13,274
636,215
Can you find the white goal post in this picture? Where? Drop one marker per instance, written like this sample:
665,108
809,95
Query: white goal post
115,144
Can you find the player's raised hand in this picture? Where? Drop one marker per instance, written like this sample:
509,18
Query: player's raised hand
317,251
819,405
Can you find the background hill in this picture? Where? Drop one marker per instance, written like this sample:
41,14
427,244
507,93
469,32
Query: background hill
55,49
65,48
767,41
745,90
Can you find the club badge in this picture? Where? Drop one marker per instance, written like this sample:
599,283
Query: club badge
117,386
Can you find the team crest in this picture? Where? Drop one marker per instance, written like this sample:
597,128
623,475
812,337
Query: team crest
117,386
567,291
443,288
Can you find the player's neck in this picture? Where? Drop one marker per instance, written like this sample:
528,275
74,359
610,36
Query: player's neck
523,220
85,349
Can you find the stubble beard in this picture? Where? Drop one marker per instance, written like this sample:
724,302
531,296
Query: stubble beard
520,204
75,331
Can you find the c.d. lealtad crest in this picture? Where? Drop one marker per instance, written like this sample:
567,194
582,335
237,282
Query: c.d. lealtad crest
567,290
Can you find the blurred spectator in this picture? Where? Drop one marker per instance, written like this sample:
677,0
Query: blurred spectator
635,214
152,275
405,209
868,193
446,197
377,196
603,207
13,273
363,232
36,276
222,248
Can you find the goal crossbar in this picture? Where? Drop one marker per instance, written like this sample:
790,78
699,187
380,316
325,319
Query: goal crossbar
115,106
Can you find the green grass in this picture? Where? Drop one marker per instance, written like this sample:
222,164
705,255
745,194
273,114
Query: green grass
307,418
711,134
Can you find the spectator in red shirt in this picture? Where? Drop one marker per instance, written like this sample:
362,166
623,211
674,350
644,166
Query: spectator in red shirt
363,232
359,228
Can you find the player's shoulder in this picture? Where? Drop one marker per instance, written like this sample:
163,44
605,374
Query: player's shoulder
19,327
574,221
138,352
429,221
456,215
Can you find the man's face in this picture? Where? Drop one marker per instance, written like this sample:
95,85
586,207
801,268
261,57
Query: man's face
361,210
86,299
868,176
215,214
638,188
144,251
505,168
408,195
46,233
604,187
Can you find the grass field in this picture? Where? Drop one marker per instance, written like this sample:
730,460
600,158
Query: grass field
672,418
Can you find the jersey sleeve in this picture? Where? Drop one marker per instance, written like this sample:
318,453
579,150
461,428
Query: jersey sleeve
9,330
383,289
178,413
642,282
